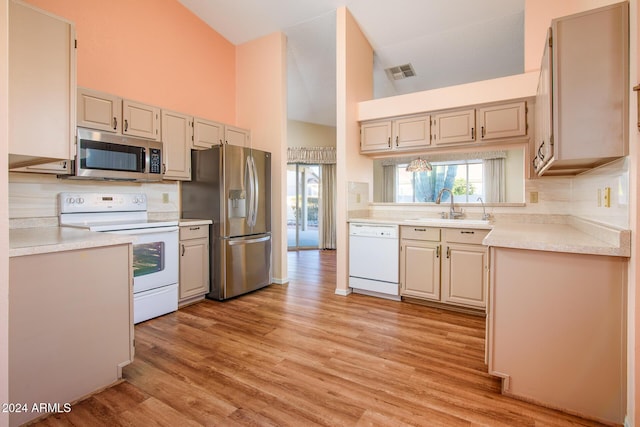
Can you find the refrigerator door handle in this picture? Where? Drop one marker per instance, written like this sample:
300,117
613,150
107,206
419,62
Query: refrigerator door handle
256,191
246,241
250,171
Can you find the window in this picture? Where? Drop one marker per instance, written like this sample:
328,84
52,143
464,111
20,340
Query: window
463,177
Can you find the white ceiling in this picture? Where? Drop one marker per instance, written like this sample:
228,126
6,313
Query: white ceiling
448,42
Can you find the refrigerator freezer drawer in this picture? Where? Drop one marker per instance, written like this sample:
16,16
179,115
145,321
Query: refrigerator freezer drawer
246,267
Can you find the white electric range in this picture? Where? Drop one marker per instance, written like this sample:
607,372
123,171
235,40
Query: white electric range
155,251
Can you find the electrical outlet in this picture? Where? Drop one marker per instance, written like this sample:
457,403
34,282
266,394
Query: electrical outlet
358,198
165,197
599,197
607,197
533,197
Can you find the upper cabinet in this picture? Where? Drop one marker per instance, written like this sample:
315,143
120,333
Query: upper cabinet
395,134
487,123
42,80
110,113
207,133
176,144
583,92
237,136
100,111
454,127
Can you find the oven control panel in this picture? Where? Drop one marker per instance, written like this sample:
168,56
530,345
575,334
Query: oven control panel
102,202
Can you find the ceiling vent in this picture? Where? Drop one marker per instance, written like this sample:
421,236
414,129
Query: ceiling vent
401,72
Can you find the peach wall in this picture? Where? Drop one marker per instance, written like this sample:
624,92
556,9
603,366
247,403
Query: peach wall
4,211
633,318
262,107
153,51
354,78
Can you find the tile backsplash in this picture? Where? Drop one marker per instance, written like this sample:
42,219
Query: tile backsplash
34,196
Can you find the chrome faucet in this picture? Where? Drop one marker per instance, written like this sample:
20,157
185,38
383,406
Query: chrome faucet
485,215
452,212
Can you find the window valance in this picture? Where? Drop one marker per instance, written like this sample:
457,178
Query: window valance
311,155
434,158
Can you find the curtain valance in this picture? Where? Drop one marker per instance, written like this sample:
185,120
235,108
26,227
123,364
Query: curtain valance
311,155
448,157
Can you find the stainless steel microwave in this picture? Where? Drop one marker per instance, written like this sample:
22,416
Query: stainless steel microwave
105,156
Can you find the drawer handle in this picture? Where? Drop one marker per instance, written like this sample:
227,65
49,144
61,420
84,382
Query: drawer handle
182,250
194,228
419,229
468,232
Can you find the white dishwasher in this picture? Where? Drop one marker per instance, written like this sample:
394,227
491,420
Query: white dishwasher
374,259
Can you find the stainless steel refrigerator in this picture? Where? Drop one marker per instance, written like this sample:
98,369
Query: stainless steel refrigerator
231,185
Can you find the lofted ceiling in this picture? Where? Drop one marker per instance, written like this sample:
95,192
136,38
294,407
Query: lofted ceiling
448,42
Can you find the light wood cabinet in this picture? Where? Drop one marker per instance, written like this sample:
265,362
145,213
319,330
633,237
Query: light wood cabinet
454,127
447,265
411,132
42,81
140,120
99,110
588,77
63,167
502,121
194,262
70,335
207,133
111,113
176,145
420,269
237,136
465,267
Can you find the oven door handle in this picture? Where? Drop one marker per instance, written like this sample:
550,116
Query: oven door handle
138,231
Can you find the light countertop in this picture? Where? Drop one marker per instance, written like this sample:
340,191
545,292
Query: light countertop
40,240
573,236
185,222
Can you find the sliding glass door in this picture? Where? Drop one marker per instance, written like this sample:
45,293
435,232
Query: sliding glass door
303,186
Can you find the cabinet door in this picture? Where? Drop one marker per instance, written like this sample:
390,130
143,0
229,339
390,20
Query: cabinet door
464,275
58,168
98,110
420,269
207,133
454,127
412,132
375,136
140,120
176,141
544,113
194,267
502,121
42,72
237,136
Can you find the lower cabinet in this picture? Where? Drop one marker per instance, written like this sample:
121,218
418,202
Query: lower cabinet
447,265
194,263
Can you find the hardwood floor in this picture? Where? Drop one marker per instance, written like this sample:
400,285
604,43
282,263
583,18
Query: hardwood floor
300,355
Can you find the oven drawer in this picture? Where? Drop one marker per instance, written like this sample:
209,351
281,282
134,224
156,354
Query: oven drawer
188,232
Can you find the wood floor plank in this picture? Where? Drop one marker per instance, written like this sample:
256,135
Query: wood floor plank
300,355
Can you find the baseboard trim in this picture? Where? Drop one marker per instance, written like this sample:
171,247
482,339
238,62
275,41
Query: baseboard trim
344,292
276,281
